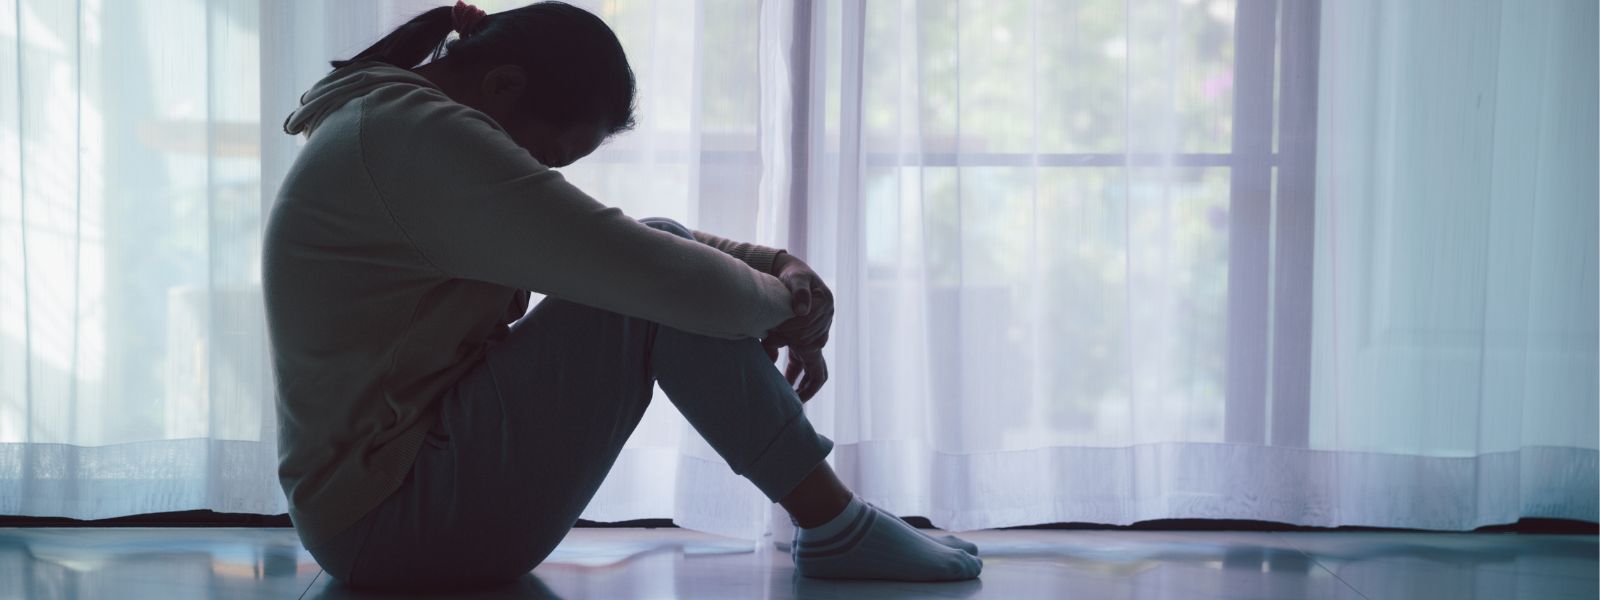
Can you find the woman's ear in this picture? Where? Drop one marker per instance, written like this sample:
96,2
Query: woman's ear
504,85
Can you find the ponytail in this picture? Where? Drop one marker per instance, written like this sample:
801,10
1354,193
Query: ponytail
406,46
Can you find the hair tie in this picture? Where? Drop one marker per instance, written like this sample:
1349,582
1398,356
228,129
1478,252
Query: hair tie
466,17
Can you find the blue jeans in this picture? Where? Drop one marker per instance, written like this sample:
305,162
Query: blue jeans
524,439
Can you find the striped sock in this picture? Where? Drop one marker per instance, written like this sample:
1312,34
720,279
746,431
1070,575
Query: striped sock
947,540
944,540
864,542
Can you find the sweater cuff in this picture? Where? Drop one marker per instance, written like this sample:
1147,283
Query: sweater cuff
755,256
761,258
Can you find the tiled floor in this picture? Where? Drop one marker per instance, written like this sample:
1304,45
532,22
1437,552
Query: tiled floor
670,563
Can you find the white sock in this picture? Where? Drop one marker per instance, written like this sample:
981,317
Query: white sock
864,542
954,542
944,540
947,540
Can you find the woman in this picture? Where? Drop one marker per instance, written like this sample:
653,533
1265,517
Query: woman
427,444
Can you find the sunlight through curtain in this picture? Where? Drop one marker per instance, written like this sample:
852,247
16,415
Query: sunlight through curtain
1323,263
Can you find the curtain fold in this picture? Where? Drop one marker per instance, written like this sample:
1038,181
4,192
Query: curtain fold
1323,263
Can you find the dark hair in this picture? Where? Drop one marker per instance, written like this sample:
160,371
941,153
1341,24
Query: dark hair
575,60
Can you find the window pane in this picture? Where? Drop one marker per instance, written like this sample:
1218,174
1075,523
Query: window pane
1133,265
1180,78
1069,294
1082,76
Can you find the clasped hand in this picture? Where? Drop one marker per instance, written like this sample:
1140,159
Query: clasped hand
807,332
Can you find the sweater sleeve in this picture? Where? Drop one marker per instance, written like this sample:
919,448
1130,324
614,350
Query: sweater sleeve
758,257
476,206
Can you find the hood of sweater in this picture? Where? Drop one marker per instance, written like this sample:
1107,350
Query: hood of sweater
341,86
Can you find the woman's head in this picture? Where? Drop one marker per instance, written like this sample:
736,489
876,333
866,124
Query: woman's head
552,74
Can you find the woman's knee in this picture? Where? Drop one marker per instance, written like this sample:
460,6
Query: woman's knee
669,226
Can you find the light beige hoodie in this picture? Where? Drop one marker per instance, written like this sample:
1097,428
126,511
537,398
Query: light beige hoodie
405,236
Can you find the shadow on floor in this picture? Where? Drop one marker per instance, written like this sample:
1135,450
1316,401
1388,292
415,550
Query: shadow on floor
529,586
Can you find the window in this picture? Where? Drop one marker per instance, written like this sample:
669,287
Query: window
1045,144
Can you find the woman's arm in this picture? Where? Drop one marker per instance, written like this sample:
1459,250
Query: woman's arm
476,206
760,258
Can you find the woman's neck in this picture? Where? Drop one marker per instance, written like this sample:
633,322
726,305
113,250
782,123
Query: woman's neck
459,84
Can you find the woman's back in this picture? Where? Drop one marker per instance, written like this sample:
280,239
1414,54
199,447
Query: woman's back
365,332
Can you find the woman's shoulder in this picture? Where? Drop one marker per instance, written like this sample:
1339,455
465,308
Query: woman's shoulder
410,132
410,108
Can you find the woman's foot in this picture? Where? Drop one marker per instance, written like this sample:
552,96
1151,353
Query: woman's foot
943,540
946,540
864,542
954,542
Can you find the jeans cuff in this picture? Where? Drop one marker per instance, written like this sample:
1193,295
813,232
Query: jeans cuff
788,458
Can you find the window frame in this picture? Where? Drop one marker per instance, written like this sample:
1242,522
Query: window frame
1272,223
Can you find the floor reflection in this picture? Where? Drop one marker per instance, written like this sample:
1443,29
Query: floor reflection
49,563
529,587
156,563
802,587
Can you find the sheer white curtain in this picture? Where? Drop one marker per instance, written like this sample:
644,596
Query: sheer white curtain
1096,260
1109,261
1454,340
133,376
